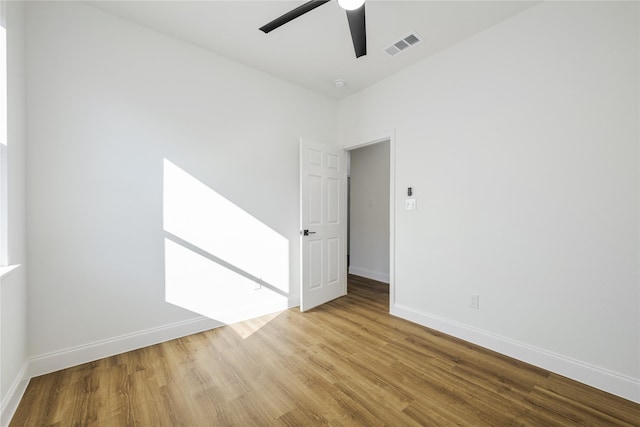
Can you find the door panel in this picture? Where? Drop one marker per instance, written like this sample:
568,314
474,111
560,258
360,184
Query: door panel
315,263
333,201
315,200
323,180
333,258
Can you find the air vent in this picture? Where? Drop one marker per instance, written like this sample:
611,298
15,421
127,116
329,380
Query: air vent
402,44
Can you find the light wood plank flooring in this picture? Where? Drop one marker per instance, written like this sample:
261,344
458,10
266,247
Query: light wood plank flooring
346,363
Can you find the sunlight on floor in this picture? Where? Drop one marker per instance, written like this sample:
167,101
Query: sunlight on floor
248,327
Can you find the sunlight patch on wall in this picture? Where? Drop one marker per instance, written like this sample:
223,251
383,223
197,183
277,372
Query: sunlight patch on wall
220,261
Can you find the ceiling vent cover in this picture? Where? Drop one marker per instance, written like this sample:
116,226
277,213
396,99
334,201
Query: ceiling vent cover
402,44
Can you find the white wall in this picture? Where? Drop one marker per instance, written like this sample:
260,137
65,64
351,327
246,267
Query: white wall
521,143
109,101
369,232
522,146
13,288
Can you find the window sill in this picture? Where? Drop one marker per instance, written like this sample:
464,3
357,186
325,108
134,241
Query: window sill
5,271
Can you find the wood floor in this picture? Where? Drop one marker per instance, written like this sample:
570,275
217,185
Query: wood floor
346,363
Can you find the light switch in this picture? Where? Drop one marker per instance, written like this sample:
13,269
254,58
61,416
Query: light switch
410,204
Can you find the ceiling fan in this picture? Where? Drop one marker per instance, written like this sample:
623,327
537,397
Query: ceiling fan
355,16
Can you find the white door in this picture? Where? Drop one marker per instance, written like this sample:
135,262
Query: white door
323,223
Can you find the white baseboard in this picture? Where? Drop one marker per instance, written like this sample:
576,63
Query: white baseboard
55,361
11,401
66,358
611,382
369,274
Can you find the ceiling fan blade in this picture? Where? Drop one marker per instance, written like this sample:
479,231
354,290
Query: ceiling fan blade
292,14
358,30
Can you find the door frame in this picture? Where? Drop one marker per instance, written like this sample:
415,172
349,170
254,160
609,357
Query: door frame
382,137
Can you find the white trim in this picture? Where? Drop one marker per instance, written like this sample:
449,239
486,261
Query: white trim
369,274
603,379
73,356
389,135
66,358
392,217
12,399
381,137
55,361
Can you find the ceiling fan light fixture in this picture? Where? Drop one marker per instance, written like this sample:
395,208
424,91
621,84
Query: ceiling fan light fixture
350,4
355,17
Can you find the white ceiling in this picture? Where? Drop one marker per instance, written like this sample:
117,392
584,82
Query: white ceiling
316,49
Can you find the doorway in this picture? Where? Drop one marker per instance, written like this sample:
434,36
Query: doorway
370,211
327,271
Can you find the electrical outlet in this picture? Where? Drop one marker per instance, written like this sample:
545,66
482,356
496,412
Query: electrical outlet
474,300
